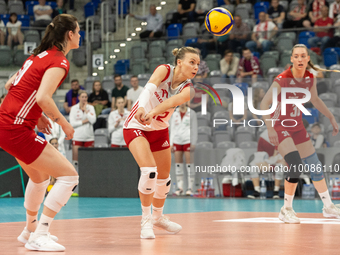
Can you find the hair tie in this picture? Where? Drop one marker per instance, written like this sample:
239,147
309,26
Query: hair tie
51,24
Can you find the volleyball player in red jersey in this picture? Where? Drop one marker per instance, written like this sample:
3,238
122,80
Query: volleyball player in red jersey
146,135
294,143
29,94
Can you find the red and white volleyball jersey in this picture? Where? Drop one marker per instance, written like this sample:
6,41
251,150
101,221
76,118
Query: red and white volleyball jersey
20,107
286,80
163,92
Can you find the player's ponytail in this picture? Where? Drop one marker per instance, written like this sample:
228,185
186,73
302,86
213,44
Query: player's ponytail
310,63
56,33
180,53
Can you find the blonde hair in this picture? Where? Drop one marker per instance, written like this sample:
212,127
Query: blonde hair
180,53
81,92
310,63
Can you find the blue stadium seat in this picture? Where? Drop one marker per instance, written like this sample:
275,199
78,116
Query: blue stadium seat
5,18
256,54
311,118
96,3
243,86
82,37
330,57
29,7
174,30
304,36
220,2
125,7
122,66
191,40
52,4
89,9
25,21
260,7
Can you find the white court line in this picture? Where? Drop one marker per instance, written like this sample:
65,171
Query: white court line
276,220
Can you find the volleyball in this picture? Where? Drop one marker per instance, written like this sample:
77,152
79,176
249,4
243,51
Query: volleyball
219,21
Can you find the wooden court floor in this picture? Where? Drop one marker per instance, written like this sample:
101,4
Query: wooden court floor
203,233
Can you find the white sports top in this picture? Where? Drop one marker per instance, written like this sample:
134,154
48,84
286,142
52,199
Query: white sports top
163,92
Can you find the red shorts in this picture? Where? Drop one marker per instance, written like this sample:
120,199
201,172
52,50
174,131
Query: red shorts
181,147
263,145
299,136
83,144
118,146
158,139
22,143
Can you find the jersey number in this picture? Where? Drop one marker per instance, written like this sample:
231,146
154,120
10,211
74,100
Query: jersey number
137,132
22,71
285,133
161,116
296,112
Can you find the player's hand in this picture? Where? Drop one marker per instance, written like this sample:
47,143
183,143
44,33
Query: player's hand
273,138
44,125
68,130
140,115
148,118
335,127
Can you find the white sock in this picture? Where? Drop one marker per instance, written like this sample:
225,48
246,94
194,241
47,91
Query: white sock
257,188
288,201
276,188
157,212
179,175
326,199
191,176
146,211
44,224
31,222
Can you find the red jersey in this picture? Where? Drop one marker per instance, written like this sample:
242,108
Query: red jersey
286,80
20,107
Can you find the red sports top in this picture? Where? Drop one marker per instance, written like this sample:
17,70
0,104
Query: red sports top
286,80
20,107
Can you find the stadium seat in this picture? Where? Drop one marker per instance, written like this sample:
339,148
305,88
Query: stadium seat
285,58
311,118
175,43
333,75
221,136
250,22
6,55
261,84
79,56
3,7
19,57
156,49
213,61
266,62
143,78
330,138
32,36
260,7
16,7
25,21
222,115
330,99
137,51
248,144
226,145
242,11
111,20
216,77
229,7
273,53
285,5
190,29
88,84
243,134
325,121
204,134
126,79
108,82
304,36
138,67
89,9
174,31
336,89
4,18
284,43
207,116
122,66
206,144
101,137
154,62
273,72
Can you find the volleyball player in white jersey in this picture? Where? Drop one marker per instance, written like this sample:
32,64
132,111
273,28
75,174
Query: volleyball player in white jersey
183,138
147,136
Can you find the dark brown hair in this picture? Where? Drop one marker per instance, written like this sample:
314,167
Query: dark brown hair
101,87
56,33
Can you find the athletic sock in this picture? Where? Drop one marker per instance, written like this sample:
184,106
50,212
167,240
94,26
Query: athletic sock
276,188
44,224
31,222
157,212
146,211
191,176
179,175
326,199
257,188
288,200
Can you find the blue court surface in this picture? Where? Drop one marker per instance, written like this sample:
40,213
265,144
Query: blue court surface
12,209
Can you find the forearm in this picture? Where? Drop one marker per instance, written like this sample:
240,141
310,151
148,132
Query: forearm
51,110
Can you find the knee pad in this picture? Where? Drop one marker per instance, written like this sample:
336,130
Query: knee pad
179,169
61,192
162,188
147,180
35,194
294,163
314,167
190,170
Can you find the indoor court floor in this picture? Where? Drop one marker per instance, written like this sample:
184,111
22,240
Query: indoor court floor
210,226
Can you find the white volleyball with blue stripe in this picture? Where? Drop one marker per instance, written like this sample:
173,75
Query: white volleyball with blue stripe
219,21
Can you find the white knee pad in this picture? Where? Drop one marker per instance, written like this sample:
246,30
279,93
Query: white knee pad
179,169
190,170
147,180
35,194
162,188
61,192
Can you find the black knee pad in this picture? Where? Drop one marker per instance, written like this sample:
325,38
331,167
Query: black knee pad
295,164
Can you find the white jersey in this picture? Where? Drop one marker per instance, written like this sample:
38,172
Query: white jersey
57,132
117,137
183,130
82,132
163,92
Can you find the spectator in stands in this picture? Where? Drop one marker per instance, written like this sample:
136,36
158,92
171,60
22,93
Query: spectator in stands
119,90
58,134
2,98
59,9
323,28
335,41
42,14
82,118
249,67
203,68
155,23
314,11
237,118
238,35
185,9
262,36
116,122
133,93
2,32
99,99
71,97
204,45
229,66
14,30
318,139
257,98
297,17
202,8
276,13
334,9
